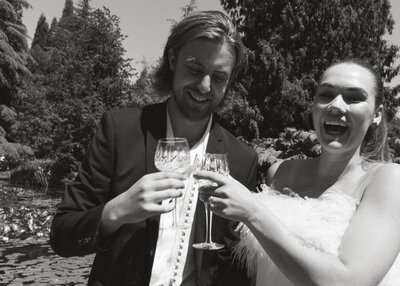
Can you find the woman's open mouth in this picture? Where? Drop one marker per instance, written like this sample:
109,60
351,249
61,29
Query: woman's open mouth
335,127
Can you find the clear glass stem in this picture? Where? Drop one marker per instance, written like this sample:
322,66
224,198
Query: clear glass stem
174,215
209,215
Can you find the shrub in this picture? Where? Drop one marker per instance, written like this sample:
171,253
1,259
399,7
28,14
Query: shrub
33,174
291,144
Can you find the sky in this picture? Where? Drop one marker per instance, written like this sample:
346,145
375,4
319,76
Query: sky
146,25
145,22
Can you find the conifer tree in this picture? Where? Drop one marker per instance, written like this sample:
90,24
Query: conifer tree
80,74
14,54
42,33
68,9
84,9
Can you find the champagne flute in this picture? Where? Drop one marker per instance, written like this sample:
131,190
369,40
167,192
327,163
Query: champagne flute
215,163
172,155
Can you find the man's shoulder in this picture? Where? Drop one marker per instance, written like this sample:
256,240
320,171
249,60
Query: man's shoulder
125,112
129,113
236,144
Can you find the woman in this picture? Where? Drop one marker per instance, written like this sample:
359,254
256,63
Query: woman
341,223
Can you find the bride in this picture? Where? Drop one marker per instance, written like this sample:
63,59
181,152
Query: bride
334,219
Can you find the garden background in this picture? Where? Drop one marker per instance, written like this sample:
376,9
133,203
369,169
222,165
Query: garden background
54,90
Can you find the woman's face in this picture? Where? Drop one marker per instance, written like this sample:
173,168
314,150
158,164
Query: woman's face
344,107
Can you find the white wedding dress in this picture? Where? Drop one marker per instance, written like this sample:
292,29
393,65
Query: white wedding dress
320,223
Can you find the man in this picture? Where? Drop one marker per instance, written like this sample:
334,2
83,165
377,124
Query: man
118,205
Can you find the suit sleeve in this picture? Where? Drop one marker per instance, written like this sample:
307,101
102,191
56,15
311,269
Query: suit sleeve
74,228
251,178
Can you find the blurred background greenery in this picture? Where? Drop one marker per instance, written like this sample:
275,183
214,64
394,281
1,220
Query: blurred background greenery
53,91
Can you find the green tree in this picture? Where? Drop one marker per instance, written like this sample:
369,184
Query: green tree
53,27
14,54
42,33
93,74
143,92
81,73
290,43
69,22
189,8
84,9
68,9
40,46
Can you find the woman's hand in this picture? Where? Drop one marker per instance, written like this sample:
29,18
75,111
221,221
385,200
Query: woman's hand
230,199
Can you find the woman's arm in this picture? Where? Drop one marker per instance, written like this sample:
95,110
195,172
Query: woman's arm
369,247
271,173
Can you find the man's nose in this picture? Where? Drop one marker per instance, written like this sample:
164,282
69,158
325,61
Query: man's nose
338,104
205,84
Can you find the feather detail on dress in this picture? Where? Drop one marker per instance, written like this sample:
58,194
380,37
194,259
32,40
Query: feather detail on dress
319,223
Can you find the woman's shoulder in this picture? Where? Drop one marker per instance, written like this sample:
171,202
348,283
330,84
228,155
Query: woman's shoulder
384,171
384,182
285,169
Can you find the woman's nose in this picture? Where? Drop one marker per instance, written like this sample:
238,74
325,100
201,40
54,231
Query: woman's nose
205,84
338,104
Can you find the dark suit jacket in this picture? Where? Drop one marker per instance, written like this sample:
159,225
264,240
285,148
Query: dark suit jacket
121,152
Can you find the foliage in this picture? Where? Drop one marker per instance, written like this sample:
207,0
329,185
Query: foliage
32,173
290,43
14,153
23,220
7,116
290,144
143,92
14,54
239,116
68,9
80,72
394,139
189,8
42,33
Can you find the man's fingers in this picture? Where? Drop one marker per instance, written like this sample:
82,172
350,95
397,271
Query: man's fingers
167,194
164,208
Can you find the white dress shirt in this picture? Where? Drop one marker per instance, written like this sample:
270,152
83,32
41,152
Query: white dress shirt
174,256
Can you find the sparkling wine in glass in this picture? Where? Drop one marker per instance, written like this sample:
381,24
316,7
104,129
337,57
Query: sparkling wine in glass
215,163
172,155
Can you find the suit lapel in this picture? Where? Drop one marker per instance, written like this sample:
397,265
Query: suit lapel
214,144
154,128
154,123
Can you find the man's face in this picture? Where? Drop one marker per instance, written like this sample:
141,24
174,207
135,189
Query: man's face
202,70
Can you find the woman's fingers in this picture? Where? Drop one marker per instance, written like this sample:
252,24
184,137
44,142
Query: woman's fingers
218,206
216,202
166,175
212,176
152,184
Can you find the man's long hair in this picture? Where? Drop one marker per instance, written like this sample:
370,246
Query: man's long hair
213,25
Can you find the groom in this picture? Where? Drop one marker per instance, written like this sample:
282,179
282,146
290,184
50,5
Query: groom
114,207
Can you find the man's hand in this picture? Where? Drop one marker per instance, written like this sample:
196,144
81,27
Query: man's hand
142,200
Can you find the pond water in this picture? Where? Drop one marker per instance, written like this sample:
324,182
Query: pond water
29,259
33,262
